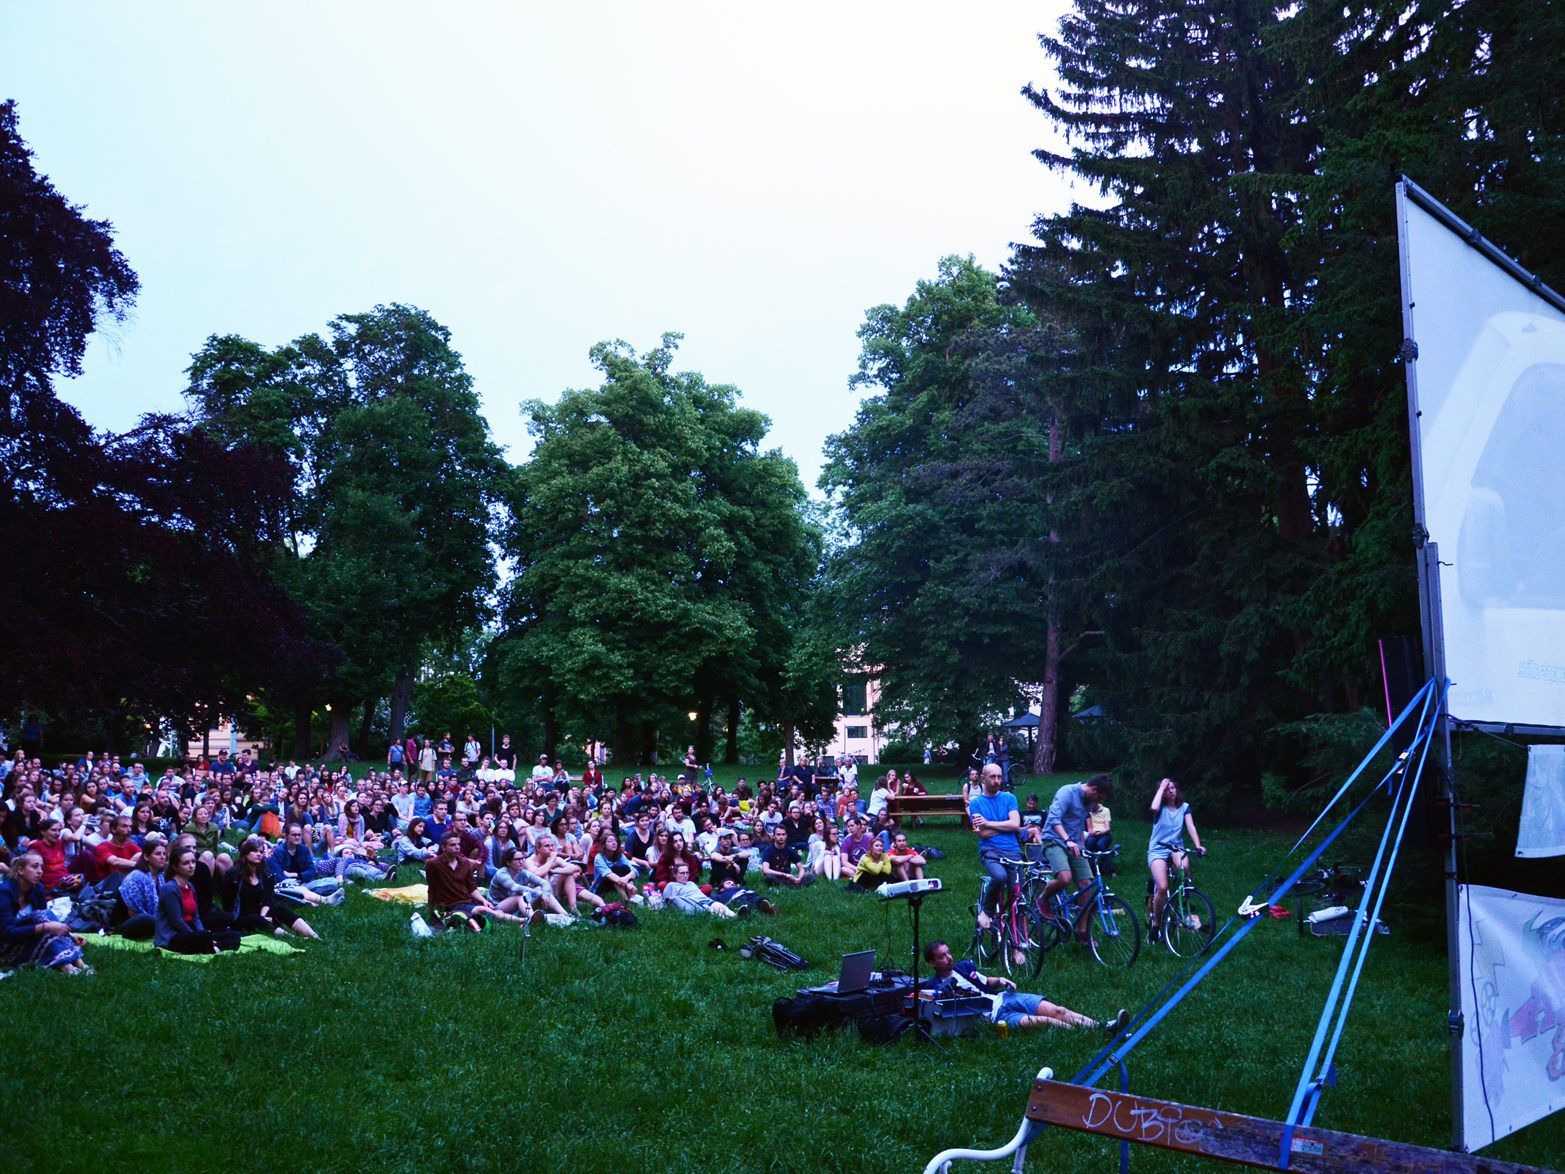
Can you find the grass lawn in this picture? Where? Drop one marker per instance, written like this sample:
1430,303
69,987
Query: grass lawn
648,1050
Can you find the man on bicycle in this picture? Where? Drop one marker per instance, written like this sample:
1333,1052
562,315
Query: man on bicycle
1064,835
996,820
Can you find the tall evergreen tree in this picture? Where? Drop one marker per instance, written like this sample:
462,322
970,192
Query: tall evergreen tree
944,578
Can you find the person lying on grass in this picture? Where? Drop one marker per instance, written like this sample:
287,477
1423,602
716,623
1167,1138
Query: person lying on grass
1015,1009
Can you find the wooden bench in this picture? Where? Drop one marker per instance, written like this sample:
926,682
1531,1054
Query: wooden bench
1247,1141
926,805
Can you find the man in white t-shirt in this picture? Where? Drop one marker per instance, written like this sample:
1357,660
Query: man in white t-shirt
542,772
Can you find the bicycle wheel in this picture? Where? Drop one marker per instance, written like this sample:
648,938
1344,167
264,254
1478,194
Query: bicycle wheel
1112,932
1189,922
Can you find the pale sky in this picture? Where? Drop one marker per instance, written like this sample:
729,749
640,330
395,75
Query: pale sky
537,177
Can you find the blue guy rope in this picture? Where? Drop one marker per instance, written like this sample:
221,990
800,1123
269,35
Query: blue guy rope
1095,1068
1339,1001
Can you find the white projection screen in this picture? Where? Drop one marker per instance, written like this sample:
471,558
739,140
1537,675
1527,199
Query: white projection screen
1487,391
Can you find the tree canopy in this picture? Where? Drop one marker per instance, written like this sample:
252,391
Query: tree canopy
396,486
661,557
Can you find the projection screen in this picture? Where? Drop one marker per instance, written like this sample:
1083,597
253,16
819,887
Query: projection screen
1487,392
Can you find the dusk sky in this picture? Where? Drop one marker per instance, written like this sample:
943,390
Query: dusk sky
537,178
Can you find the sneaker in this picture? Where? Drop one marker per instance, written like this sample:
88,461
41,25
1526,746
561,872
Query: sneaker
536,918
1117,1024
768,908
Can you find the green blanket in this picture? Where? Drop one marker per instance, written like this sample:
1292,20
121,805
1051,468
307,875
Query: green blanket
251,944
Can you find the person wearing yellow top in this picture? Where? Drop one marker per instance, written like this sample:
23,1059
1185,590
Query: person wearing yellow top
874,866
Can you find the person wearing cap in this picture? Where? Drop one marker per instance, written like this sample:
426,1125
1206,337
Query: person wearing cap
543,772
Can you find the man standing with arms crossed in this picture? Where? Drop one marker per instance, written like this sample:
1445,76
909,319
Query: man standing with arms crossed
996,820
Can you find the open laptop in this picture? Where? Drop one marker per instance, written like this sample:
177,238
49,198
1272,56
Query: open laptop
857,970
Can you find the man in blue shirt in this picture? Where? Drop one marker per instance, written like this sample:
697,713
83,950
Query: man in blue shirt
1064,833
996,820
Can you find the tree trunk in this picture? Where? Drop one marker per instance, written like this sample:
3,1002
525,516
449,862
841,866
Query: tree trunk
731,752
337,736
622,733
788,744
401,701
1045,749
301,733
703,739
551,729
364,729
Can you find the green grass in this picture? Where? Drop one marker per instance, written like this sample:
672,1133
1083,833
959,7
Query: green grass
646,1049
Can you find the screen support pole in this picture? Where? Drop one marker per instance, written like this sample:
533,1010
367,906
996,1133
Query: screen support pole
1427,555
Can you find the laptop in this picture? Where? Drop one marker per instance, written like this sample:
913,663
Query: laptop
857,969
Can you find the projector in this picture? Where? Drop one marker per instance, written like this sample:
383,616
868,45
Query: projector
912,888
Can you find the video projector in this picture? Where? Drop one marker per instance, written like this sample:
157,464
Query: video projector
912,888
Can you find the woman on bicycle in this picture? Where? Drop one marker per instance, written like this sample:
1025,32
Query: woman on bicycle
1171,819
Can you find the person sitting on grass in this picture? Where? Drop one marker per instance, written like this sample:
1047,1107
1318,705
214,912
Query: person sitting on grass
118,854
855,843
138,893
874,867
559,874
829,858
453,888
58,879
673,854
1015,1009
906,862
780,863
252,902
414,843
29,936
515,890
613,870
293,871
179,926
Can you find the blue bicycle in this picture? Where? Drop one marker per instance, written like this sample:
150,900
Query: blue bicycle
1095,917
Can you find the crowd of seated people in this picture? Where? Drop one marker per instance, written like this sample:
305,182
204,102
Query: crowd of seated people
195,857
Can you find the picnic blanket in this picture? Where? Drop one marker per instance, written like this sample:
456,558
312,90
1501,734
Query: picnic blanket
250,944
411,894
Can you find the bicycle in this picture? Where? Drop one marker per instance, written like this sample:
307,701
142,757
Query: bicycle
1189,917
1012,929
1105,922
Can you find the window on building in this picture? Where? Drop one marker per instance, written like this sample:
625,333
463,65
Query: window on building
855,695
857,731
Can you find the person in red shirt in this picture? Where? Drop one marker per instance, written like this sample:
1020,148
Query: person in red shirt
57,878
117,853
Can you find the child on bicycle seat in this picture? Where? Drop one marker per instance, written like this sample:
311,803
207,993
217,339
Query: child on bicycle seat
1099,836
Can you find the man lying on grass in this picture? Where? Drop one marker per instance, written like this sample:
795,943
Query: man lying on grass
1013,1008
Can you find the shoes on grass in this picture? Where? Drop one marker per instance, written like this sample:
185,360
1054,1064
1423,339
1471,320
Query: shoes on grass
768,908
1117,1024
